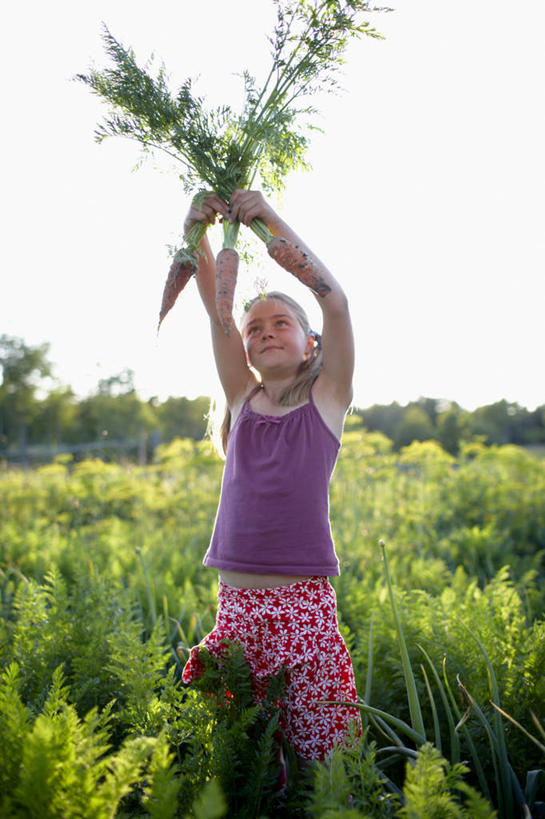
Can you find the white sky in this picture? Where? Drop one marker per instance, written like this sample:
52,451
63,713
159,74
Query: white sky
426,197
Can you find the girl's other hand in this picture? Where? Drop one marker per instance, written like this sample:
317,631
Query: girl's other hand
206,211
248,205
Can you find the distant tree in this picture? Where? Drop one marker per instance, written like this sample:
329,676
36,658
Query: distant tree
453,425
119,384
382,418
115,411
534,432
183,418
30,414
23,369
499,422
56,417
431,406
414,426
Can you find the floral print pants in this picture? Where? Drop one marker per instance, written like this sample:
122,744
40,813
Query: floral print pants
293,627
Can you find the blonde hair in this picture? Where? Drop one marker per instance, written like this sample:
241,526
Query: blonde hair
308,371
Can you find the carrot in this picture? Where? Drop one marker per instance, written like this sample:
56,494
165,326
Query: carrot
299,263
178,276
226,279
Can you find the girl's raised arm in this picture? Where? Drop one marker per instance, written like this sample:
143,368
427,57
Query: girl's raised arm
334,384
235,375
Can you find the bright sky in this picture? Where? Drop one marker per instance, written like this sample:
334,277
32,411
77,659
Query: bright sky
426,197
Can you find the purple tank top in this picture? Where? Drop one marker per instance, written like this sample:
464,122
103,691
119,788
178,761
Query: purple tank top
273,515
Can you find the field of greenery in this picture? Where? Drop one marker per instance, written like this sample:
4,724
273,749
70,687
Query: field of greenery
103,592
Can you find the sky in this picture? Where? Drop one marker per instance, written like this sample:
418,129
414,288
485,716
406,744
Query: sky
426,197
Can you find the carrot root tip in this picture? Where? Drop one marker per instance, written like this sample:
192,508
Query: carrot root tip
178,276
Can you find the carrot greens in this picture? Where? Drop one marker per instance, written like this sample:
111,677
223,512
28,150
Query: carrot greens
219,149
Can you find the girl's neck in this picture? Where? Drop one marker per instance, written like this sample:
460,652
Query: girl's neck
271,390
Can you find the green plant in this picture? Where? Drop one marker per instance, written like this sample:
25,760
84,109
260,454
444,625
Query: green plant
76,594
236,739
507,788
350,781
435,789
221,150
60,765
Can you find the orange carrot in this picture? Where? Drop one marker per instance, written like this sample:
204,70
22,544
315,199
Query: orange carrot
226,279
178,276
299,263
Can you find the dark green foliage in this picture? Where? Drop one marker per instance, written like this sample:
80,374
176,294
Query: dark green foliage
33,428
351,784
445,421
21,367
414,426
103,592
238,740
112,422
56,764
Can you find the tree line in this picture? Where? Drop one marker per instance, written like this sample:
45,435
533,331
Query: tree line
36,410
502,422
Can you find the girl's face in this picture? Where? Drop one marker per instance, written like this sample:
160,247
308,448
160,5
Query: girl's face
273,338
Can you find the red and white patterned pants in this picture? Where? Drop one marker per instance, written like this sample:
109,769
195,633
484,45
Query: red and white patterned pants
293,627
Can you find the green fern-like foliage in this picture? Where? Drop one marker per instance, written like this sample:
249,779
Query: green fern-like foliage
351,782
160,797
210,803
61,765
138,665
15,721
435,789
230,738
75,595
220,149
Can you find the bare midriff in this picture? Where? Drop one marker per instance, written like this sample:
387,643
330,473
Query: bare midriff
243,580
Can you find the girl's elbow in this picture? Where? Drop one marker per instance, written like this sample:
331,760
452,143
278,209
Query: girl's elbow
336,303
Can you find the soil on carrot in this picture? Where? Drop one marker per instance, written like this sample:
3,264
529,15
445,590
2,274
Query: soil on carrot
299,263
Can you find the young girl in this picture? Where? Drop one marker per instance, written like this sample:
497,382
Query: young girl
272,540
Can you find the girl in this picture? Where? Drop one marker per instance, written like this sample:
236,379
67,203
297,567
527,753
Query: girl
272,540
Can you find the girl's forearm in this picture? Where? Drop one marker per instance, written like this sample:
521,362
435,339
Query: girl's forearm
331,290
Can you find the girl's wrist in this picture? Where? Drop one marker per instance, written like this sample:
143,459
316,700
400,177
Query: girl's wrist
274,223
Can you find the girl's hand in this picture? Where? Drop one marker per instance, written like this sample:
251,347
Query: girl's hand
205,212
245,206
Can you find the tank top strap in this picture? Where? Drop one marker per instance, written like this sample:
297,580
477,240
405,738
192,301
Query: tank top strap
253,391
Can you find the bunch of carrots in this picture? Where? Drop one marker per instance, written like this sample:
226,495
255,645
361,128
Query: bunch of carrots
221,150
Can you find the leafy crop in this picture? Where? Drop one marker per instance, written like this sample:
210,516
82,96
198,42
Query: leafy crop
221,150
102,593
